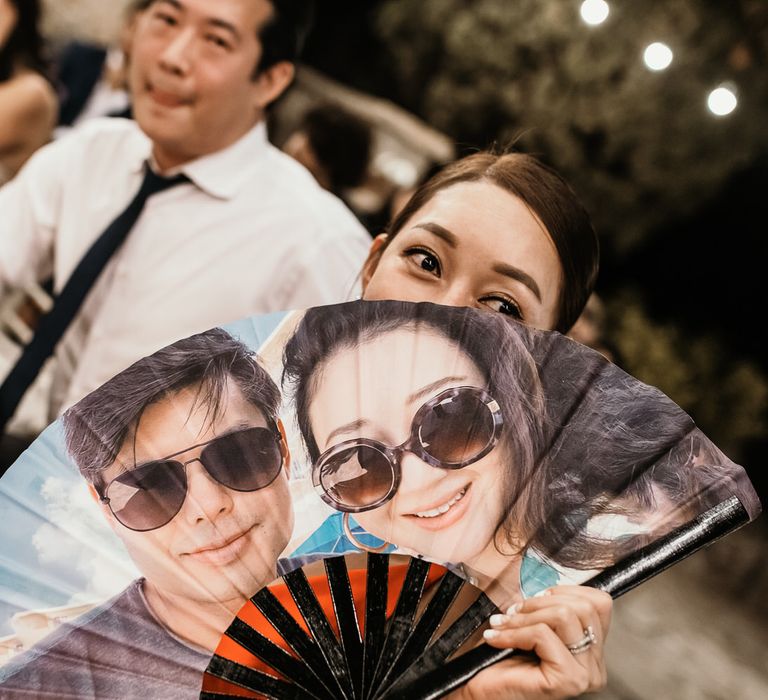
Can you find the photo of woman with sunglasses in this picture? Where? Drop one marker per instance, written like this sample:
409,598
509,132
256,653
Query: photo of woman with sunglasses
474,441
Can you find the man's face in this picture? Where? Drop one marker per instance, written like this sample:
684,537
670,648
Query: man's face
222,545
191,75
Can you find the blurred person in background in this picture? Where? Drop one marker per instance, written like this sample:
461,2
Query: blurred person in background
93,79
27,100
334,145
243,229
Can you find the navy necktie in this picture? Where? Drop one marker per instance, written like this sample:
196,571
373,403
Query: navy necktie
66,305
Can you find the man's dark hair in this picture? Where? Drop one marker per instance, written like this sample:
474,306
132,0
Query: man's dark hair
96,427
341,142
282,37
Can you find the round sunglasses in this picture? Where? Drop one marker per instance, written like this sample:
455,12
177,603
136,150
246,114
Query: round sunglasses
149,495
457,427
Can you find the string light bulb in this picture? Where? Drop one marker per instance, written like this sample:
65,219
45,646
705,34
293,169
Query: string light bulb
657,56
722,101
594,12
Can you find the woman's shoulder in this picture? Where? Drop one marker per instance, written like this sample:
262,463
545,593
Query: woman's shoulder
31,95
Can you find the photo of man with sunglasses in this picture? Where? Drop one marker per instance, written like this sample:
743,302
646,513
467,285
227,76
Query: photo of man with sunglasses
186,457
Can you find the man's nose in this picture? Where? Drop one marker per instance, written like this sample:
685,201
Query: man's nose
176,58
207,499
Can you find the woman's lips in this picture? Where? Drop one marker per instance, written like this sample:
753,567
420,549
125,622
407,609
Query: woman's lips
445,514
221,554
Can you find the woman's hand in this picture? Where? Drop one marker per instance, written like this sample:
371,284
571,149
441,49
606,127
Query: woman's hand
546,625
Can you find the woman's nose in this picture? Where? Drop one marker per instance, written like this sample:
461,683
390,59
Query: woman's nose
416,476
455,295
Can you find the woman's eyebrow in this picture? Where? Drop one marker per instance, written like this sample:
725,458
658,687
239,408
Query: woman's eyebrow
433,387
352,426
517,274
440,231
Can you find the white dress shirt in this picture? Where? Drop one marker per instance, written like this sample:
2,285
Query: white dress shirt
252,233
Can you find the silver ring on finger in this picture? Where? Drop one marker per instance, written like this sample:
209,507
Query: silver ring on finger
584,643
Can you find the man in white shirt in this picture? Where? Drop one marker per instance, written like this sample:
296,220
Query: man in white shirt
251,231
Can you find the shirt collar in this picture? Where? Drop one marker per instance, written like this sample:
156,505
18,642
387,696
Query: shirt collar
223,173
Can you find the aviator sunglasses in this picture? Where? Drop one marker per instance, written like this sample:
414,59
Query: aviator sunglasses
149,495
457,427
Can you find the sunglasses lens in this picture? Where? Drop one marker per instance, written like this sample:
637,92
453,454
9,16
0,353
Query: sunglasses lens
247,460
149,496
356,477
458,429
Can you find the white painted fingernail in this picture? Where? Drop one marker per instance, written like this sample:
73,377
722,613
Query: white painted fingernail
498,620
514,609
491,634
542,593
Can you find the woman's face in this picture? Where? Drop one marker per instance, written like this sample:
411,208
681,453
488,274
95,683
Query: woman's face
473,244
373,391
8,17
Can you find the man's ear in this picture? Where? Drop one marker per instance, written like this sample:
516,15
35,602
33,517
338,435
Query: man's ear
103,507
374,256
284,448
94,494
273,82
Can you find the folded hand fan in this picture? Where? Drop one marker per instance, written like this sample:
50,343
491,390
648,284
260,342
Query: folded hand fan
515,459
336,636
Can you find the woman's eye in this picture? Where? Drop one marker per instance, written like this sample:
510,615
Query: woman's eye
425,259
504,306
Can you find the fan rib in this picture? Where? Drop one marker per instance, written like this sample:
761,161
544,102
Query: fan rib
280,660
377,584
433,616
437,653
346,617
321,630
401,623
250,679
295,636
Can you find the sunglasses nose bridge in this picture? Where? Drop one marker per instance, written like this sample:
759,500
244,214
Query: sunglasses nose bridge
202,465
411,446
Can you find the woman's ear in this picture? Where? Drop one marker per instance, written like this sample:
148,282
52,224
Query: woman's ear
374,256
284,448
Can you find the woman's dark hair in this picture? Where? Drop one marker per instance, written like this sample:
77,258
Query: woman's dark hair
96,427
24,46
548,196
621,447
582,438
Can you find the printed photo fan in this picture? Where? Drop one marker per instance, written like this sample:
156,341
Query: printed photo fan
497,460
327,648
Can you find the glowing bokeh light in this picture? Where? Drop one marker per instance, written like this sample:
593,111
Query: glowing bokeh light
722,101
594,12
657,56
